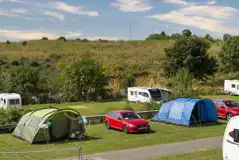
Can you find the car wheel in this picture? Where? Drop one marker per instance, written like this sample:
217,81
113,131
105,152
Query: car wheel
125,129
229,116
107,125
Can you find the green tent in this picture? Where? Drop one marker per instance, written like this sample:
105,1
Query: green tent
51,124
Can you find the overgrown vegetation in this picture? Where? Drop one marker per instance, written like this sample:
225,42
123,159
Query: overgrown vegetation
33,69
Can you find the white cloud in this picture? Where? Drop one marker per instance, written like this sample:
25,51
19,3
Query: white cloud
56,15
19,10
14,13
13,1
212,2
132,5
79,10
211,18
31,35
25,35
178,2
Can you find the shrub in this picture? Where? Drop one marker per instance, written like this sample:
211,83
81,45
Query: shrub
24,43
8,42
15,63
34,64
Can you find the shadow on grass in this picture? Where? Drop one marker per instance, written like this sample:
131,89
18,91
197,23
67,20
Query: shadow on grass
142,132
207,124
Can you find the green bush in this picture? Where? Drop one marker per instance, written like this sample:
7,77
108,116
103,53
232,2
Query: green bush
9,116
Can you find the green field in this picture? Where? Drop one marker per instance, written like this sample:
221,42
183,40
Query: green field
106,140
92,108
215,154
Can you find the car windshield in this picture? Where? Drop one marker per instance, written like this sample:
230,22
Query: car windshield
231,104
130,115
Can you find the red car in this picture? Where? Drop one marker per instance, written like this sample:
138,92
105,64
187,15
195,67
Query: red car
226,108
126,120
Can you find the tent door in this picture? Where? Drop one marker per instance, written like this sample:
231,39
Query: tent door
60,127
195,117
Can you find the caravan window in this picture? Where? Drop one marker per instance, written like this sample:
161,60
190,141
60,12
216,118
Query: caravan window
155,94
233,86
14,101
144,94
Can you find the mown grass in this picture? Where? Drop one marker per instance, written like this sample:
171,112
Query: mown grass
95,108
91,108
108,140
215,154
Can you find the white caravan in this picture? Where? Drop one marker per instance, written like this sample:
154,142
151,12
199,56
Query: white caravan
230,146
146,94
8,100
231,87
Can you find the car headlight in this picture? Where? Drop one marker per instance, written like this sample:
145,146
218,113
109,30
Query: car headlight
131,125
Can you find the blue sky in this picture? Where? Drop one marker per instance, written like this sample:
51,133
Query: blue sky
111,19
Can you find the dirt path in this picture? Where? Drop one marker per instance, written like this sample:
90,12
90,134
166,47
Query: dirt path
157,151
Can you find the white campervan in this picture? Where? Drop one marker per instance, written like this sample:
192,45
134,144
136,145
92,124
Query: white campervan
230,146
8,100
146,94
231,87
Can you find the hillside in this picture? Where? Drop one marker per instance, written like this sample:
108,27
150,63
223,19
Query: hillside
136,56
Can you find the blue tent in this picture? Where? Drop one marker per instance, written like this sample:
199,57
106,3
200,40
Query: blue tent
185,111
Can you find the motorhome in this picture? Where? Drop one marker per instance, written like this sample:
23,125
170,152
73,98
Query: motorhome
147,94
231,87
230,146
9,100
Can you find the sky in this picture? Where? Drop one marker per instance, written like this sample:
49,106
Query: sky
115,19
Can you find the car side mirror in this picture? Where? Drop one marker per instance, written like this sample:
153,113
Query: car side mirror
119,118
236,135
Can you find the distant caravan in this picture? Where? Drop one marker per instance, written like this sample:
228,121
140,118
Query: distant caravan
147,94
10,100
231,87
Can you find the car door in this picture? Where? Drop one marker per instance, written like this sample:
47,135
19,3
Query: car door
221,109
118,121
111,119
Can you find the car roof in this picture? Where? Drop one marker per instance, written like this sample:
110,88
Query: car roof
221,99
122,111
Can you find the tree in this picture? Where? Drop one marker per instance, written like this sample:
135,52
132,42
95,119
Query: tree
82,80
62,38
157,36
176,35
229,55
209,37
187,33
182,85
163,34
226,36
25,81
44,38
190,53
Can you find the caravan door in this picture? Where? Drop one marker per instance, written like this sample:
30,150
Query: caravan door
230,146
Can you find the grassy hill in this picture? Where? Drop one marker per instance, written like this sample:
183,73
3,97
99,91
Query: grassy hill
136,56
